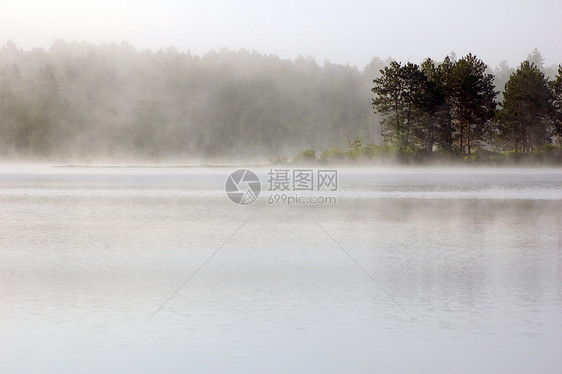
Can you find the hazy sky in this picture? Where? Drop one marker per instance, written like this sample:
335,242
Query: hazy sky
341,31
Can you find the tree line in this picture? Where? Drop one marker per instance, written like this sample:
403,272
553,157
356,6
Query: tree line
79,101
86,102
452,107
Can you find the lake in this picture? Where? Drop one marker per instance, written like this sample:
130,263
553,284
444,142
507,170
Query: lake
155,270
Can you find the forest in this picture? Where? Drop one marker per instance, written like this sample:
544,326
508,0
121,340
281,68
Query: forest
451,107
80,102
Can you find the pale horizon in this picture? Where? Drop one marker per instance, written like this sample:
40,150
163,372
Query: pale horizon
338,32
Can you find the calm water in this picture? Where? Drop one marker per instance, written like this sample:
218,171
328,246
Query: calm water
470,262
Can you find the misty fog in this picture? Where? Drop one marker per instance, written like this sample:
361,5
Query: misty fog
115,101
128,263
276,187
79,102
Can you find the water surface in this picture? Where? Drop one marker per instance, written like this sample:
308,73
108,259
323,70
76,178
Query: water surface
466,268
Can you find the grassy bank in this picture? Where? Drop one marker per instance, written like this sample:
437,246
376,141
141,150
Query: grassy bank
357,153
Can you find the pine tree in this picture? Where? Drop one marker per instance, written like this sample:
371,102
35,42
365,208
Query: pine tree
473,101
444,77
398,93
557,107
536,58
525,117
434,107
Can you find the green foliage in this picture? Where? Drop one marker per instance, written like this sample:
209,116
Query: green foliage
357,152
549,153
524,120
81,99
32,112
372,153
535,58
431,106
333,154
473,101
557,106
355,144
85,100
397,94
308,155
487,155
384,151
434,108
279,159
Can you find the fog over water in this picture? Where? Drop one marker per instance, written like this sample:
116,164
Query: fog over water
469,261
293,187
